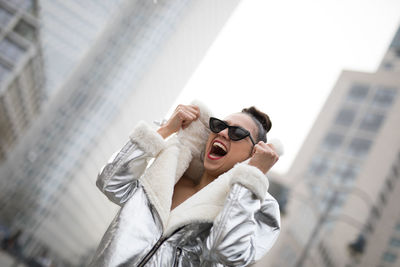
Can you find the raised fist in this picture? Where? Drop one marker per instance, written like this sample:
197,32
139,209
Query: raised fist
264,156
181,117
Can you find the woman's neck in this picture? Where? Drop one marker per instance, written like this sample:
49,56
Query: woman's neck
205,179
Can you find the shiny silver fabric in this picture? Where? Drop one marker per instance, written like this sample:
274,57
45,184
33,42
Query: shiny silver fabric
243,232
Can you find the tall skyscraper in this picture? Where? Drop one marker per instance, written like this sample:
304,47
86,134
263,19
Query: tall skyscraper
133,70
343,208
21,71
69,29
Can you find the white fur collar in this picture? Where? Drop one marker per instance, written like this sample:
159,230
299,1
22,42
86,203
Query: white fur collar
181,154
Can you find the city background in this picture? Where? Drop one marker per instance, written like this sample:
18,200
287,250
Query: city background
76,76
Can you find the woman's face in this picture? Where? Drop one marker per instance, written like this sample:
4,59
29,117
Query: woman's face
236,151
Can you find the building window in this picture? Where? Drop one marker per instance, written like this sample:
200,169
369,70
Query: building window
345,173
345,117
384,97
375,212
389,257
10,50
319,166
358,92
4,71
371,121
388,65
389,185
24,4
395,171
382,196
5,17
338,204
359,147
332,141
25,30
369,228
395,242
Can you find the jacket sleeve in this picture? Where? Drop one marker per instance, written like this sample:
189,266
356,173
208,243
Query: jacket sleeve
117,179
249,223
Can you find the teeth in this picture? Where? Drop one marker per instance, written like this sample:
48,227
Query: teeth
219,145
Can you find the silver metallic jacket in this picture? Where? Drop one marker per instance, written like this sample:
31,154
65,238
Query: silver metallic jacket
233,221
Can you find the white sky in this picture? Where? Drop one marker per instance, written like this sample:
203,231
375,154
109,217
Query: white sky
285,56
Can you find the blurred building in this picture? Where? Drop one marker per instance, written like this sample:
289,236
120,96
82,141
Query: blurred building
21,71
68,31
134,69
345,189
278,190
41,43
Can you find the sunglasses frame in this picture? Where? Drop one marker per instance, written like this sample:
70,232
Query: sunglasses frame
230,130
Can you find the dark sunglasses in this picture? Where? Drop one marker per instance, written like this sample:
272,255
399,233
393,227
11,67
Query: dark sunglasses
235,133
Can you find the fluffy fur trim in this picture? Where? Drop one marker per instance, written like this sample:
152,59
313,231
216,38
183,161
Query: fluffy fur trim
202,207
177,153
158,179
194,138
250,177
147,138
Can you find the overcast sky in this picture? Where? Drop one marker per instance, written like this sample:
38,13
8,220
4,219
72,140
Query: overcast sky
285,56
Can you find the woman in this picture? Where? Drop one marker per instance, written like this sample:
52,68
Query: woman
197,198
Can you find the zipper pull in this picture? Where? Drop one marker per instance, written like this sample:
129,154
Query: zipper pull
179,251
177,256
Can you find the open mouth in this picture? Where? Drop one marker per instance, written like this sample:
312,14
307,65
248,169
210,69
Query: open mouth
217,151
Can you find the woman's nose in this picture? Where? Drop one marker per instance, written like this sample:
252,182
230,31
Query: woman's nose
224,133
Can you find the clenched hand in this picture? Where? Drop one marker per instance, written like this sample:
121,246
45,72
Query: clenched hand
181,117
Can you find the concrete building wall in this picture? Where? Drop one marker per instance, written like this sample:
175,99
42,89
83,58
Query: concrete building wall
337,178
364,194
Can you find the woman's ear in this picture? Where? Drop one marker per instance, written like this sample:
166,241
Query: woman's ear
253,150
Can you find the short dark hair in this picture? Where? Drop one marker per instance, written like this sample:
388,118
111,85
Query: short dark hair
262,121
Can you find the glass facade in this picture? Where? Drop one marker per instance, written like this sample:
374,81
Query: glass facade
5,17
4,71
21,66
117,61
26,30
10,51
68,31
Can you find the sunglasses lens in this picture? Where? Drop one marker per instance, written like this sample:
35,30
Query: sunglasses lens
217,125
237,133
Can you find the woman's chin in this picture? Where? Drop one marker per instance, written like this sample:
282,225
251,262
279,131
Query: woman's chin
215,167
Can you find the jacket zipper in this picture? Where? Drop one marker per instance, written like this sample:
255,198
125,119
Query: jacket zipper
155,248
177,255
